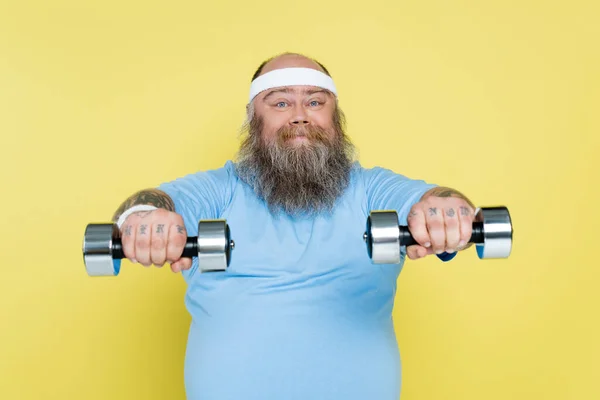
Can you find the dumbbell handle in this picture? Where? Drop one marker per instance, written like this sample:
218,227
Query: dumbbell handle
406,239
189,251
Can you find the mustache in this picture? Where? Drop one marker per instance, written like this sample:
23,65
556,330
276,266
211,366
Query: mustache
312,132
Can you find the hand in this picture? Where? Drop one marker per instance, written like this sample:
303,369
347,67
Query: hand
155,237
439,224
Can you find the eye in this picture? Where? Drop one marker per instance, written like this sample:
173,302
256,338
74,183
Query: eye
315,103
281,104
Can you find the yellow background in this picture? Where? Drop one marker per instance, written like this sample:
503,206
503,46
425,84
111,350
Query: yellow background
497,99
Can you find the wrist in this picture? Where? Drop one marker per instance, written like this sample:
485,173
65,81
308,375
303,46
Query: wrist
131,210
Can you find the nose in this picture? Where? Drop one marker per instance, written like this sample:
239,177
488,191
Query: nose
300,118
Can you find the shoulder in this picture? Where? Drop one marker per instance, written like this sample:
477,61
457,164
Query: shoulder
377,175
223,175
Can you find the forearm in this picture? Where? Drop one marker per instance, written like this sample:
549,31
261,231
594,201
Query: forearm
153,197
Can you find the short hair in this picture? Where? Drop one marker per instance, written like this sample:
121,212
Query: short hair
261,66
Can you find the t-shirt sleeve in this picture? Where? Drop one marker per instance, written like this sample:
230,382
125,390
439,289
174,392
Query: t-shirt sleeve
387,190
200,195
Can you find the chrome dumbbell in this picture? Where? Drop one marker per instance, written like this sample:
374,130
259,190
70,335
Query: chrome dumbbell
492,234
103,251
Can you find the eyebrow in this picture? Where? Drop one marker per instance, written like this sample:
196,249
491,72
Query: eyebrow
289,90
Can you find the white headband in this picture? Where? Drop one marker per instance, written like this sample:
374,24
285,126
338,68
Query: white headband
291,77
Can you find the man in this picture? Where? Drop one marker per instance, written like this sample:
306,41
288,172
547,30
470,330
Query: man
301,312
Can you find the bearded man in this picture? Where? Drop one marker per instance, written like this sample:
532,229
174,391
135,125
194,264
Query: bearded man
301,312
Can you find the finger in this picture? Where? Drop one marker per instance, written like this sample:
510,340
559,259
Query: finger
415,252
158,245
128,242
142,245
176,242
465,216
417,226
436,228
182,265
175,267
186,263
452,229
411,252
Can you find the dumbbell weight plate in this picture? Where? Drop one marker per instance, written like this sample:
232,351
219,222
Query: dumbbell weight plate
497,232
214,245
383,237
98,250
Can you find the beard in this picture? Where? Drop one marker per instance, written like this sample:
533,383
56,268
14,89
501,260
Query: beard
306,177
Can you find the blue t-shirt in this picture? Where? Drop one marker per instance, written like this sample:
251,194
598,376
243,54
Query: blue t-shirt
301,312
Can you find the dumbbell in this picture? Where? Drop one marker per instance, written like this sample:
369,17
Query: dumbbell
103,251
492,233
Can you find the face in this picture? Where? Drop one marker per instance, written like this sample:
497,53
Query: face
295,109
296,156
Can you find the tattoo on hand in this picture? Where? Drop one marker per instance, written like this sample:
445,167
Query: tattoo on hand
143,229
128,230
445,193
412,214
432,211
143,214
160,228
450,212
180,229
465,211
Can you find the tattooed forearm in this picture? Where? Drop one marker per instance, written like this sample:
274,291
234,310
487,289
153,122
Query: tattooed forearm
448,192
154,197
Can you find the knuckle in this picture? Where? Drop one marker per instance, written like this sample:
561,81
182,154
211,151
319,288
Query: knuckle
141,244
466,226
126,243
177,241
435,224
158,243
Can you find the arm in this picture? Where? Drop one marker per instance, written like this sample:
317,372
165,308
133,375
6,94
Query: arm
412,198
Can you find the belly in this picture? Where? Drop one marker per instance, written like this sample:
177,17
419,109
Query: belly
271,356
324,335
